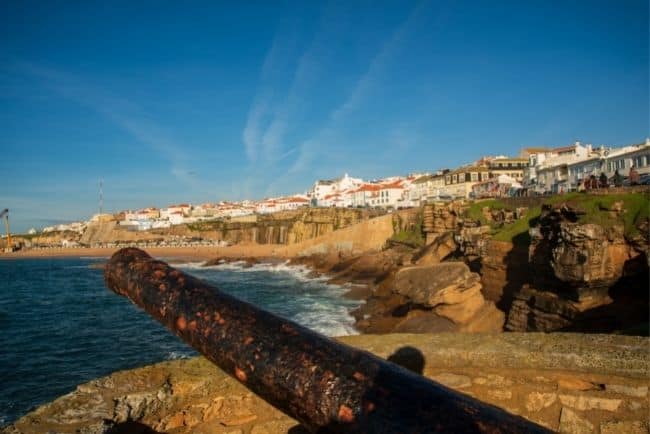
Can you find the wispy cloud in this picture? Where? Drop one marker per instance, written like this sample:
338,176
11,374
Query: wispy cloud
261,108
273,112
309,149
120,111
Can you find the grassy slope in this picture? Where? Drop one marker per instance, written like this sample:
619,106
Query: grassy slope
637,206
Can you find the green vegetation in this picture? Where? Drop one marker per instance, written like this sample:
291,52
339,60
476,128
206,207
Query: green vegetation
412,234
595,207
210,225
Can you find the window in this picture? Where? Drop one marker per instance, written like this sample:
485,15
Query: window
455,178
621,164
448,179
609,166
474,176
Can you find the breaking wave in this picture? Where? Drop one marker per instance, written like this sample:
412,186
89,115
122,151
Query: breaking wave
291,291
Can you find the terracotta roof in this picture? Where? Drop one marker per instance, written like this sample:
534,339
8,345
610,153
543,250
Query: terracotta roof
395,184
369,187
564,148
536,150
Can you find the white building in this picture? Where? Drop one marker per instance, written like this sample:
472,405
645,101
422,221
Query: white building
564,169
365,195
622,159
418,190
184,209
324,188
436,185
551,172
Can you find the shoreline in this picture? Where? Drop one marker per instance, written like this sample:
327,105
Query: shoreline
188,253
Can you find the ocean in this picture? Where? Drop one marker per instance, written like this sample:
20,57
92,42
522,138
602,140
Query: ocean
60,326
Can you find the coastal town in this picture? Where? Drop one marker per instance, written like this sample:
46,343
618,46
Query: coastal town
535,171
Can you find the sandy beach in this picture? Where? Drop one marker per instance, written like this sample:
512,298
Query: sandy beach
182,253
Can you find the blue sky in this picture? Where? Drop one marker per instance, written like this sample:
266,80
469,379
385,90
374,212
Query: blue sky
234,100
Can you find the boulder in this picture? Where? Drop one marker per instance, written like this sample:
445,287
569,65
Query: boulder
431,285
449,290
433,253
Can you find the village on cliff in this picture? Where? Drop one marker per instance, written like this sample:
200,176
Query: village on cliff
536,171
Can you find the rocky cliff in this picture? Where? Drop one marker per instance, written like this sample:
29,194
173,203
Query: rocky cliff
287,227
571,263
566,382
584,275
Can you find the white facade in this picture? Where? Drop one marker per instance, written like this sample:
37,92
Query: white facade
184,209
435,186
418,190
622,159
566,171
176,218
324,188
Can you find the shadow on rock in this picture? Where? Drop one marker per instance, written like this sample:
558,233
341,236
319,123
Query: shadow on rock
410,358
131,427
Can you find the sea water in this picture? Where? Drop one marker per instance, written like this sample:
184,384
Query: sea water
60,326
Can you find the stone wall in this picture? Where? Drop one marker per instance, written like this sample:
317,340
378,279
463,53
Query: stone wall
569,383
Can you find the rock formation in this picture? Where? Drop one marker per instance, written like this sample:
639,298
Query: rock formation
448,290
575,269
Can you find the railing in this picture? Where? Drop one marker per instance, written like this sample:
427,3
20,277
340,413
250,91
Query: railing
327,386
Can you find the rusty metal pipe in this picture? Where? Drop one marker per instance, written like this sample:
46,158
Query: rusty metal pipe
327,386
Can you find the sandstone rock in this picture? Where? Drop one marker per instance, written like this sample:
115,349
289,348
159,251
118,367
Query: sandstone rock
239,420
500,394
431,285
473,240
441,247
274,426
543,311
571,423
176,420
213,410
462,312
624,427
573,383
488,319
134,406
420,321
636,392
454,381
453,292
537,401
634,405
493,380
582,402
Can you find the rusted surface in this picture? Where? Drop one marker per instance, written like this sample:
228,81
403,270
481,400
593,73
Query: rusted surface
327,386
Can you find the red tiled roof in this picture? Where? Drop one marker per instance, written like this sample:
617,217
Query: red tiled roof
395,184
369,187
564,149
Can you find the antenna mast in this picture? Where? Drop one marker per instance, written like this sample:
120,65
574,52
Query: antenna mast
101,195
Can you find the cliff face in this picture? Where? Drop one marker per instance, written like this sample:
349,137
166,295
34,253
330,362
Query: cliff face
288,227
566,382
583,275
571,275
